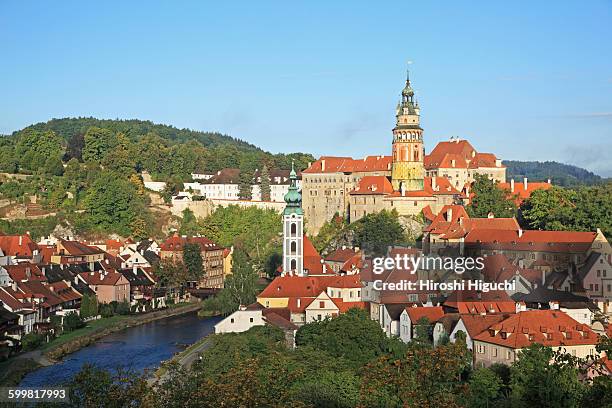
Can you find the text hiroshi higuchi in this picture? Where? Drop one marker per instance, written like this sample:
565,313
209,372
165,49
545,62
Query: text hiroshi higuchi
413,263
431,286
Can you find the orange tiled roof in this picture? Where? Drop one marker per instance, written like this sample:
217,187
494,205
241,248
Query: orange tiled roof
373,185
25,271
331,164
11,245
548,327
521,193
477,323
431,313
98,278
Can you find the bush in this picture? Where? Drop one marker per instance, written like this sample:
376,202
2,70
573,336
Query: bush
106,310
32,341
72,321
122,308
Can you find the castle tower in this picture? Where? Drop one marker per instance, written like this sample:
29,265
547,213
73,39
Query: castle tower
407,171
293,229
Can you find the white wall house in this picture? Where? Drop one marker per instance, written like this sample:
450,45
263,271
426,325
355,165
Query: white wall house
241,320
320,308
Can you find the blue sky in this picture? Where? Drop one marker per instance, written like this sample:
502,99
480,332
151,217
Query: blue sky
525,80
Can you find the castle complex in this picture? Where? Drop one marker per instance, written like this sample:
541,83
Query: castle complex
409,181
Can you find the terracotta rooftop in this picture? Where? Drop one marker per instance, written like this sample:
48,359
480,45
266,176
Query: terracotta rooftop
17,245
547,327
431,313
331,164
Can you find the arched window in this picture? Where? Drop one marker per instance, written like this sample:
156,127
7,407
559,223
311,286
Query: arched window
293,247
293,228
293,264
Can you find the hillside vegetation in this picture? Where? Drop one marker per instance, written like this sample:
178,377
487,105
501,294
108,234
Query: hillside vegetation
560,174
86,170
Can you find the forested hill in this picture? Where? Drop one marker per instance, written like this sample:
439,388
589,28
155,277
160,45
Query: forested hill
561,174
68,128
134,145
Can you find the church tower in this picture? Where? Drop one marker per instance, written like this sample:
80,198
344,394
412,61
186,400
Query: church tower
293,229
407,171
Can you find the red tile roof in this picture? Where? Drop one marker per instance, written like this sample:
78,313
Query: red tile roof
462,153
99,278
531,240
76,248
471,296
343,307
520,194
477,323
373,185
341,255
313,262
331,164
498,268
17,245
25,271
548,327
431,313
176,243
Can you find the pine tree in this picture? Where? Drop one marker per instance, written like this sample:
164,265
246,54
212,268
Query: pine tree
245,180
264,185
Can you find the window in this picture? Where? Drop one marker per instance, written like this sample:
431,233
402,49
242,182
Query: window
596,286
508,355
232,320
494,351
251,320
293,264
598,273
293,228
322,304
293,247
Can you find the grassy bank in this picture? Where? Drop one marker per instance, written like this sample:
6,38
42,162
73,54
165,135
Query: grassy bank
13,370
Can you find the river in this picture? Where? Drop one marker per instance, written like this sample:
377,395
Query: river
137,348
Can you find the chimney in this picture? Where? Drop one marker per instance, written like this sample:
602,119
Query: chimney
525,183
543,277
309,164
490,215
512,185
521,307
299,302
323,165
520,233
453,162
461,221
434,185
549,181
403,189
449,215
20,240
554,305
14,286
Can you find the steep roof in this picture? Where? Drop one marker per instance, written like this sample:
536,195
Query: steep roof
77,248
477,323
431,313
313,262
459,154
18,245
547,327
99,278
471,297
373,185
341,255
25,271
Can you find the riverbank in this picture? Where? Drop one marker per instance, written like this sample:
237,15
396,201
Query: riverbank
14,369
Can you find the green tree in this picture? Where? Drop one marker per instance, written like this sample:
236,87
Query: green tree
112,203
33,148
53,166
485,387
264,184
245,183
98,143
352,336
189,223
377,231
546,378
329,231
72,321
489,198
173,186
192,258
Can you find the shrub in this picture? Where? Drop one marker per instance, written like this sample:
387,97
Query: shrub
72,321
